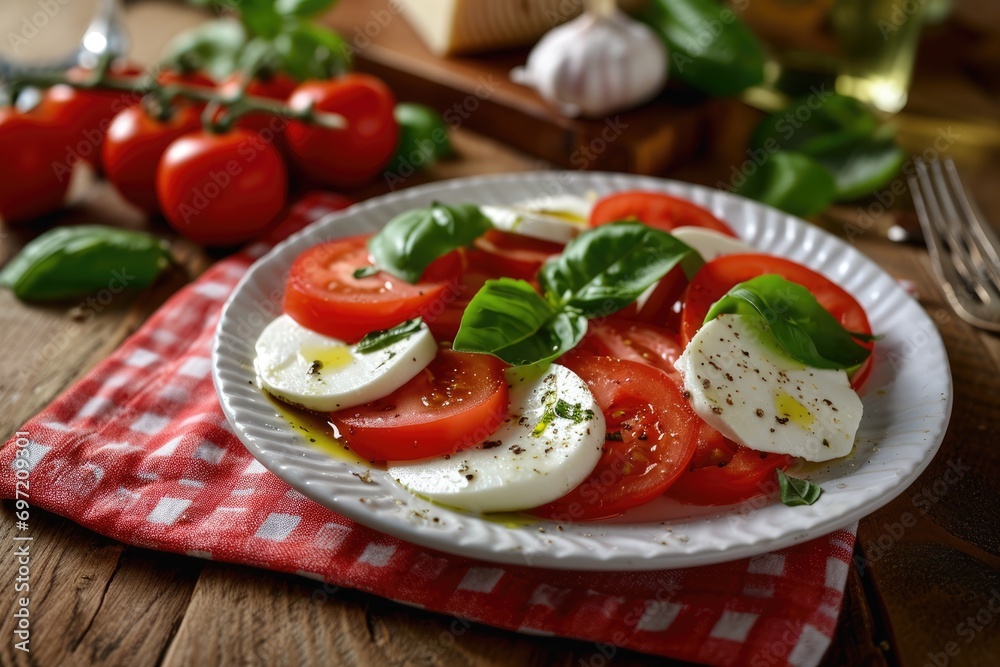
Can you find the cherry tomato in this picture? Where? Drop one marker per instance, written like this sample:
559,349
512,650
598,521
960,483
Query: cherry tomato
133,146
322,294
654,432
194,78
30,143
87,113
656,210
454,403
220,189
513,255
718,276
351,157
633,341
278,87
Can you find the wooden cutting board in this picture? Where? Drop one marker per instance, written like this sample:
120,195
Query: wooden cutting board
475,92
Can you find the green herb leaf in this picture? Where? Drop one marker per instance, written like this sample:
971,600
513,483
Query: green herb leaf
72,262
411,241
311,51
302,7
814,123
861,166
508,319
796,492
379,340
805,330
574,412
423,138
365,272
606,268
732,61
214,46
793,182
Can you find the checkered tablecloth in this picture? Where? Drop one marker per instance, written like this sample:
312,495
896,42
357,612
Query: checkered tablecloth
140,451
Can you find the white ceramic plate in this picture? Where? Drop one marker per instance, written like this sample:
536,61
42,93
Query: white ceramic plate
907,404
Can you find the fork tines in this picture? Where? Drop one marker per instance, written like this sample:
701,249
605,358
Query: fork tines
964,249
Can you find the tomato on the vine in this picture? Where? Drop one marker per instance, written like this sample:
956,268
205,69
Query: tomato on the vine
134,143
221,189
30,144
277,87
352,156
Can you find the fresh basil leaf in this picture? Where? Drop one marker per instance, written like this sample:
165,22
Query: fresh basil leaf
606,268
379,340
814,123
214,47
423,138
796,492
311,51
732,61
805,330
861,166
572,411
411,241
792,182
364,272
302,7
508,319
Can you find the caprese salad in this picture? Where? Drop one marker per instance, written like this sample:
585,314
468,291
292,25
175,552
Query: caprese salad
571,359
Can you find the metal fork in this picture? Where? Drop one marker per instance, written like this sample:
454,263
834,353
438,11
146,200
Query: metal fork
964,249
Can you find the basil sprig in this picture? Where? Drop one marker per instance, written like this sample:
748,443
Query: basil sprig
601,271
796,492
379,340
408,244
803,328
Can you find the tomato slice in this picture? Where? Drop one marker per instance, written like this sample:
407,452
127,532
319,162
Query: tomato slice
444,316
454,403
730,475
322,294
656,210
512,255
659,307
633,341
657,432
718,276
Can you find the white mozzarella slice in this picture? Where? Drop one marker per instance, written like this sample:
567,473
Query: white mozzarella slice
535,457
710,243
310,370
558,219
746,388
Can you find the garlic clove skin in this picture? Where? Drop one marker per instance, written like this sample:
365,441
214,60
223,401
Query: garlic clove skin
596,64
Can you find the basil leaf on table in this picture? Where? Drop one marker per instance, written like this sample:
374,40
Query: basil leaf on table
809,124
510,320
792,182
804,329
796,492
71,262
862,166
423,138
729,64
379,340
601,271
408,244
607,268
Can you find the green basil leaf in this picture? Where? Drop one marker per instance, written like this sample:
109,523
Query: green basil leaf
379,340
310,51
861,166
411,241
72,262
573,411
805,330
796,492
364,272
260,17
508,319
214,46
793,182
813,123
423,138
302,7
606,268
732,61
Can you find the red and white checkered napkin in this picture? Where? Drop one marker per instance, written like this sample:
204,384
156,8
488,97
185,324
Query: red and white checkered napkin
140,451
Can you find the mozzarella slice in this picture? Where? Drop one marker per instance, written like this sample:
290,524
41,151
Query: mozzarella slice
558,219
535,457
710,243
746,388
313,371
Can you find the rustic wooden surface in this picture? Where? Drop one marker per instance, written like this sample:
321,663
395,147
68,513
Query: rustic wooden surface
915,594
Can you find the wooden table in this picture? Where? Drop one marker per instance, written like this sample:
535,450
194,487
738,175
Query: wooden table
927,564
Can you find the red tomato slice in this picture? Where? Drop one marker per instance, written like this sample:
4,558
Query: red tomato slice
659,307
444,316
633,341
739,474
513,255
322,294
658,432
454,403
718,276
656,210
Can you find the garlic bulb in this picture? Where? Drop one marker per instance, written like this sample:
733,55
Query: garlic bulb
597,64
